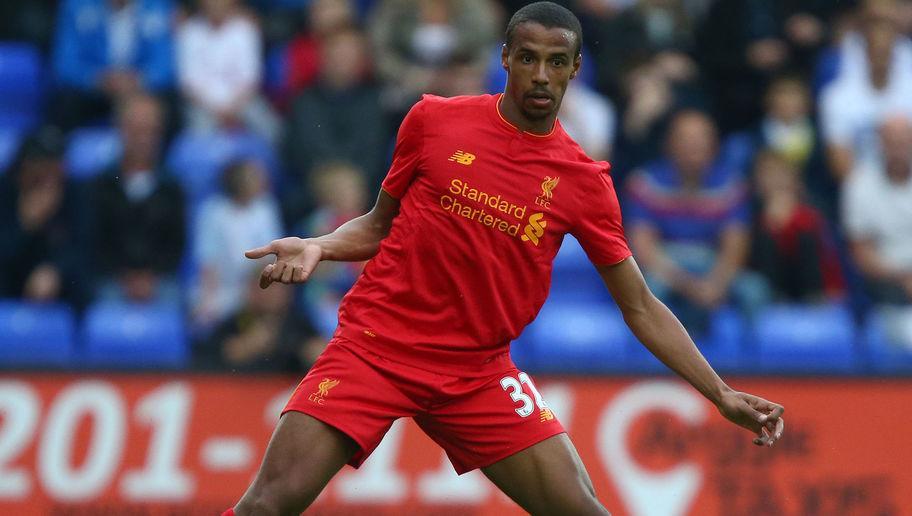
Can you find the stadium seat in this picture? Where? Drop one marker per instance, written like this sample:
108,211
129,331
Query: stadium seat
10,138
573,276
576,337
21,86
884,333
35,334
91,150
805,339
197,159
134,335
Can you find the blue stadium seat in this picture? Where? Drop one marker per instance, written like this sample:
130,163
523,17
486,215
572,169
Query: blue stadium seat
885,352
197,159
576,337
91,150
21,85
36,334
573,276
724,344
10,138
275,69
805,339
134,335
829,63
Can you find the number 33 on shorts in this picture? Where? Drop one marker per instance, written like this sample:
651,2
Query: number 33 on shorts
514,387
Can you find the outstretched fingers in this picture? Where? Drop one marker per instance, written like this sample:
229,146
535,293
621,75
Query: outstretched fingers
259,252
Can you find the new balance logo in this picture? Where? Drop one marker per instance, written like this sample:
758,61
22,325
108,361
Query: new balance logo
463,158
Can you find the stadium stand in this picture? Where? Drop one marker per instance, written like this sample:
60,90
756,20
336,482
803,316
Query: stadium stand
33,335
91,150
805,339
22,85
133,336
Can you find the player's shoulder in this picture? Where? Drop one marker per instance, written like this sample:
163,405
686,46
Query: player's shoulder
436,104
572,151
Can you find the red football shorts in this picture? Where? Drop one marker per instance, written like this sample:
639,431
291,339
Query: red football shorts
477,421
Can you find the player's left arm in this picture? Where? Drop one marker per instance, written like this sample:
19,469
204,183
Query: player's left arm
661,332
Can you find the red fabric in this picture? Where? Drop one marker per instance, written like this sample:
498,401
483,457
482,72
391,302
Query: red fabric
807,220
229,512
467,263
303,63
475,420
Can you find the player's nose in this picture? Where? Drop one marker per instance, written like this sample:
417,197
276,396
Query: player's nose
540,74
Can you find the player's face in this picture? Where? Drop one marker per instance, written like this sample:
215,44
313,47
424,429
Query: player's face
540,63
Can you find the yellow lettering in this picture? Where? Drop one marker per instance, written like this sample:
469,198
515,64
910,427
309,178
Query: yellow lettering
487,220
519,213
535,228
446,199
455,186
502,225
483,197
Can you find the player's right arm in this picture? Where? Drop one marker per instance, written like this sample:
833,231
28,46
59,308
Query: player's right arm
356,240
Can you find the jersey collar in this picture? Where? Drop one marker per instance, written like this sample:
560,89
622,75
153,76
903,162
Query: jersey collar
502,121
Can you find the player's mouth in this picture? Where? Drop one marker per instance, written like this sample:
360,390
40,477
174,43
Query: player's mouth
539,99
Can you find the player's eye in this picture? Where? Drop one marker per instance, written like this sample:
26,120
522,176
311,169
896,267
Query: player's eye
558,62
526,59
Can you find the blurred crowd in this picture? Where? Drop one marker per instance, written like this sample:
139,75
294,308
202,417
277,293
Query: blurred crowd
762,149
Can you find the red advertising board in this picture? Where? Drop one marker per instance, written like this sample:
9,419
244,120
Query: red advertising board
160,444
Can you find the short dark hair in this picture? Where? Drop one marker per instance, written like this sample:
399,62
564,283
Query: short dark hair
548,15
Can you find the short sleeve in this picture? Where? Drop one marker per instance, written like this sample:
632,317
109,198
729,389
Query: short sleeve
407,154
599,229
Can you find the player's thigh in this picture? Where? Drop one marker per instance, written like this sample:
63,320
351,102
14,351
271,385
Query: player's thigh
547,478
303,455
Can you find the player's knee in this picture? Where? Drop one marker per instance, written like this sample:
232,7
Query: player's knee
275,494
578,501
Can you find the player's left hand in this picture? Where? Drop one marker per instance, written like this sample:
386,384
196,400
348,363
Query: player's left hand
755,414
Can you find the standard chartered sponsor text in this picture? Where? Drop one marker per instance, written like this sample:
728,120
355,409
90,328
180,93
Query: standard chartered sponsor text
508,216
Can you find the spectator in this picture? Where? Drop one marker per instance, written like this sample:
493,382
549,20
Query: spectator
740,47
877,214
874,82
688,218
787,128
220,68
107,49
590,119
304,52
416,39
792,245
626,36
264,334
138,224
242,217
341,196
40,244
28,20
339,117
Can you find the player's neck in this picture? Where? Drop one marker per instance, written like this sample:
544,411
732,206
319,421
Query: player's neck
512,114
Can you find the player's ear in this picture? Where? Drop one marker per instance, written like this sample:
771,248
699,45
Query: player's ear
504,57
577,63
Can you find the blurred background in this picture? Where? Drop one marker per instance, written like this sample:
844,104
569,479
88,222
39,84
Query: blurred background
762,152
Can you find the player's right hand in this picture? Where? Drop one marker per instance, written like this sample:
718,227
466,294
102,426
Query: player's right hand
296,258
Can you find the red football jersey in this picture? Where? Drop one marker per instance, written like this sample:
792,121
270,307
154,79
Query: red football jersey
484,208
